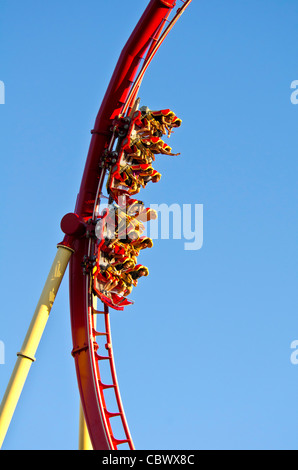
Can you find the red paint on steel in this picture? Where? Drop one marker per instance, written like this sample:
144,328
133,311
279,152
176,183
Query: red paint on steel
116,95
72,224
85,354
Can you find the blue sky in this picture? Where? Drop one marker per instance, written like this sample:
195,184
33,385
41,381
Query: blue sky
203,357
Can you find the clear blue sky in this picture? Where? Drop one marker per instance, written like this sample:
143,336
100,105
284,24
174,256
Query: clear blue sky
203,357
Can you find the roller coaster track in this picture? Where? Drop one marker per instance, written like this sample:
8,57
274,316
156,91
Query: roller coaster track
92,343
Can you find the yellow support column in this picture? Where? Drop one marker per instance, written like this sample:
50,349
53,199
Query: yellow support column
84,439
32,340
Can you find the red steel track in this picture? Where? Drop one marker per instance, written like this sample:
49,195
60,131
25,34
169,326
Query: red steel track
92,345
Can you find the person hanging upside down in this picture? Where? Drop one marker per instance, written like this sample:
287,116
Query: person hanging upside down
167,119
158,146
141,244
119,267
107,282
136,209
132,178
158,123
139,153
138,272
154,178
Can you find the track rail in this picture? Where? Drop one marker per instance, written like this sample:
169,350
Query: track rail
92,346
156,43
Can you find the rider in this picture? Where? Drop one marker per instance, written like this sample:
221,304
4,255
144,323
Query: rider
158,123
157,145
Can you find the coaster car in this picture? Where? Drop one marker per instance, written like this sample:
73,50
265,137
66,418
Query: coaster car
158,146
120,231
158,123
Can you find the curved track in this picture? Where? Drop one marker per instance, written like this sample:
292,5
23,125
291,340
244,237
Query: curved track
92,343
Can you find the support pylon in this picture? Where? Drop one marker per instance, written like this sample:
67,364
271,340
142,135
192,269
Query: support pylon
84,438
26,356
